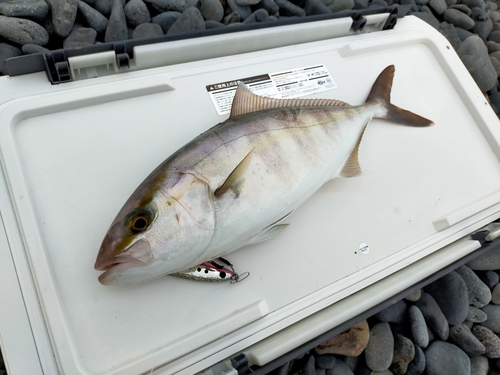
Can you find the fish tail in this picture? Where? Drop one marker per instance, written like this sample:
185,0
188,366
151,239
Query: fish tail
381,91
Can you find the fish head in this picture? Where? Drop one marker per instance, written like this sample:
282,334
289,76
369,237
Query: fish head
159,235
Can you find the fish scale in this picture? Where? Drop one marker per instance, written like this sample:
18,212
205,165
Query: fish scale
232,185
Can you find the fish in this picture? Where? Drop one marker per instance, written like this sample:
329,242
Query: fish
237,182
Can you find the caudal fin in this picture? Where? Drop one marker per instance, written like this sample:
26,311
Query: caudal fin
381,91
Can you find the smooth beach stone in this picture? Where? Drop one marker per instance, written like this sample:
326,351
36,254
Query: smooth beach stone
394,313
36,9
491,278
339,368
260,15
462,8
495,293
476,315
247,2
94,19
80,37
314,7
474,55
492,47
495,17
308,368
491,6
439,6
479,365
458,18
433,315
492,317
478,292
166,20
417,366
168,5
270,6
418,327
494,36
474,3
289,9
231,19
23,31
490,260
414,296
213,25
380,349
243,10
465,340
490,341
339,5
482,23
350,343
147,30
462,33
190,20
104,7
404,351
211,10
443,358
29,49
326,361
450,293
351,362
448,30
63,15
6,52
136,13
117,25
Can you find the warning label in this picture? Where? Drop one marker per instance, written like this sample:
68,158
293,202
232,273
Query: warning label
287,84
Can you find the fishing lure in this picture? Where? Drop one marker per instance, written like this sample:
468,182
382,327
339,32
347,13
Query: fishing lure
212,271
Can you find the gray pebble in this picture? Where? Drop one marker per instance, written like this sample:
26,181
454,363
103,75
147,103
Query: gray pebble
495,293
340,368
478,292
490,341
450,293
289,9
438,5
491,6
314,7
136,13
496,65
23,31
117,25
418,327
190,20
339,5
482,23
6,52
433,315
247,2
361,4
468,324
451,2
414,296
94,19
443,358
166,20
448,30
493,317
80,37
28,49
496,55
404,351
352,362
260,15
191,4
495,17
414,7
417,366
476,315
231,19
479,365
380,349
242,10
308,368
326,361
491,278
490,260
473,3
394,313
422,2
320,371
211,10
168,5
36,9
465,340
458,19
474,55
462,8
427,17
213,25
494,36
462,33
104,7
270,6
63,15
284,369
147,30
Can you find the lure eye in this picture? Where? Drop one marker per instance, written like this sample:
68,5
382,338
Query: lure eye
139,221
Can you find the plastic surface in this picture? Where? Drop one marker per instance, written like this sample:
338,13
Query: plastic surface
73,154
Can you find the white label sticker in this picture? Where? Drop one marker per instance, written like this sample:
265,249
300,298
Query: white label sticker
287,84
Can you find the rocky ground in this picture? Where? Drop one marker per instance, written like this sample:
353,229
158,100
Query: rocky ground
29,26
451,327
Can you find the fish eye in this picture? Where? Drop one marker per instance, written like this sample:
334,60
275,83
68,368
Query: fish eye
139,220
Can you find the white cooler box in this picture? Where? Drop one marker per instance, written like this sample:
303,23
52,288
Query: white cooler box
72,153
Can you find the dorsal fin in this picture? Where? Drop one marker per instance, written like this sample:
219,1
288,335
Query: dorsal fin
351,167
247,102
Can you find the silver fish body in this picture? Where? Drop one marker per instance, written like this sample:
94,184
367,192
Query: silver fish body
232,185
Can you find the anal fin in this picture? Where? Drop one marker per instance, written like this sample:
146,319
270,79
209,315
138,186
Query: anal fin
351,167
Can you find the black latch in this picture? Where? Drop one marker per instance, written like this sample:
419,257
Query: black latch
358,22
392,20
57,67
480,236
122,57
240,364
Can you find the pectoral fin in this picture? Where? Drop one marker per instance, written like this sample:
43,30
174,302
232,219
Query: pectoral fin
267,233
235,180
